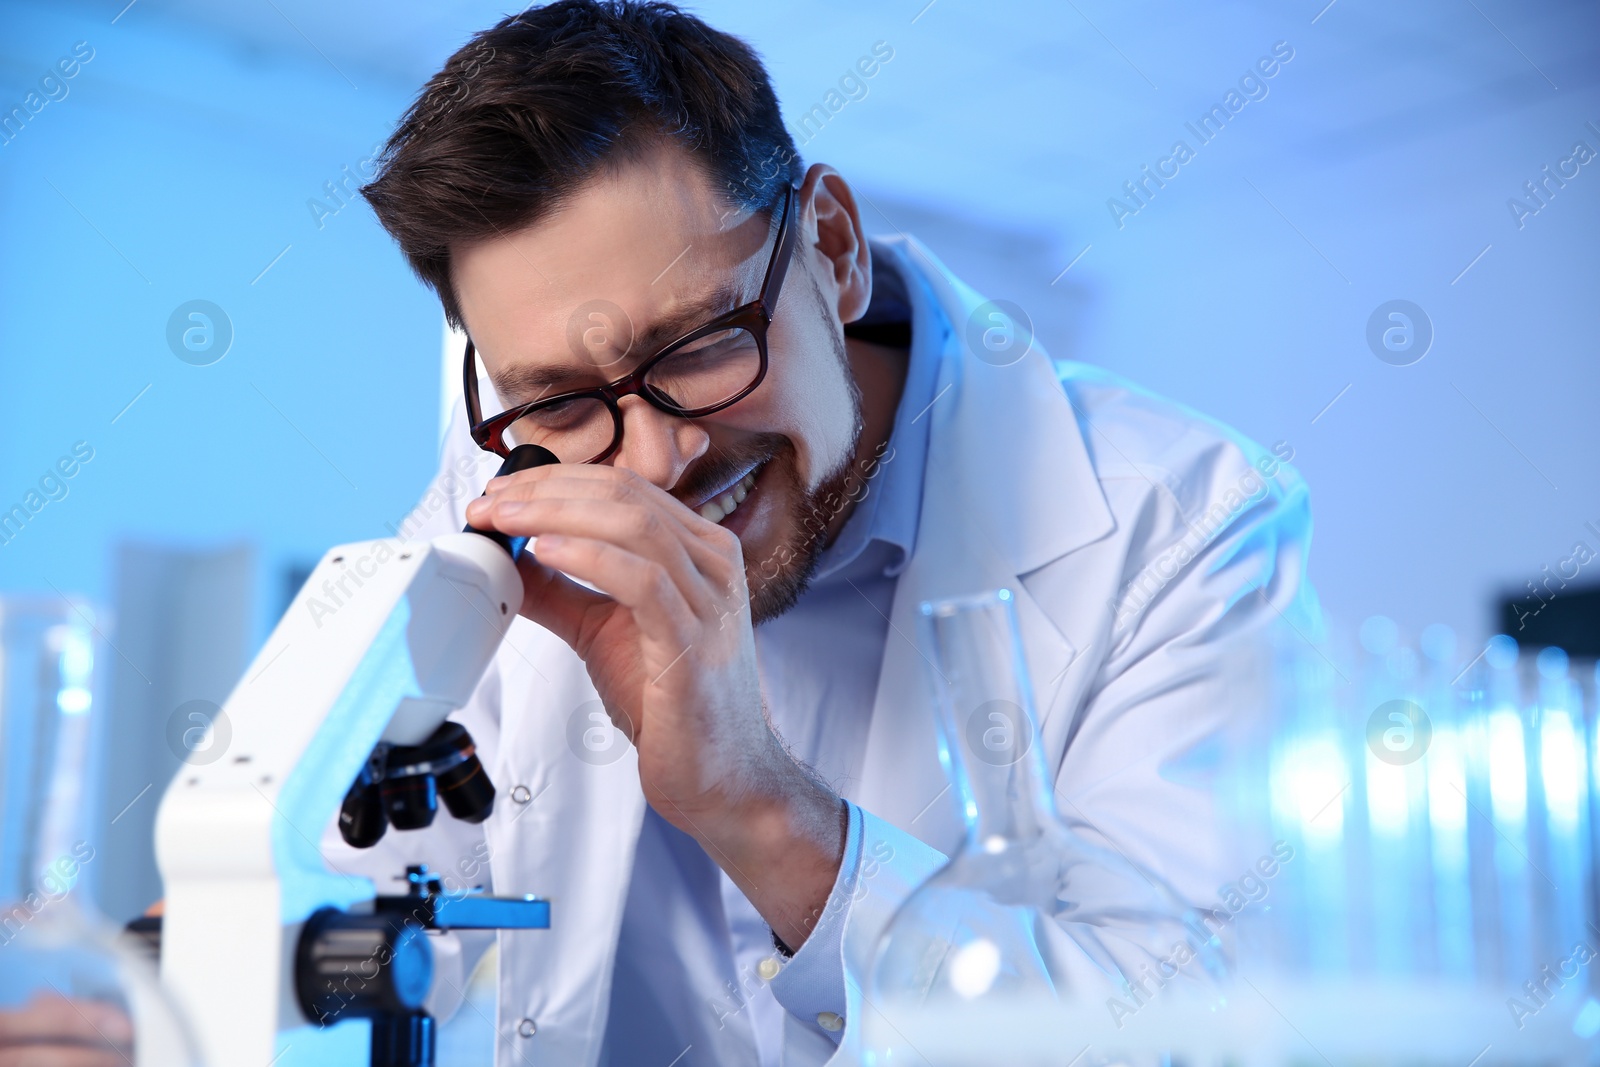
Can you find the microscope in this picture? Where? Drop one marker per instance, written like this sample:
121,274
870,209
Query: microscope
273,957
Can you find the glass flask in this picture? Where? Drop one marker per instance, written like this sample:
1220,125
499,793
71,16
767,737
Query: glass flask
1026,912
73,989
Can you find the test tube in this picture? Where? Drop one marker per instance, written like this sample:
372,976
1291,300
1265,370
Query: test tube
1446,830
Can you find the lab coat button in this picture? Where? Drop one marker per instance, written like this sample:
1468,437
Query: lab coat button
768,968
526,1028
830,1022
521,794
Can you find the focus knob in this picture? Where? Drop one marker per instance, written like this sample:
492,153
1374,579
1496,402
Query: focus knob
361,966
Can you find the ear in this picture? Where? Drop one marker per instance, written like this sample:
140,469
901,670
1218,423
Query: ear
831,229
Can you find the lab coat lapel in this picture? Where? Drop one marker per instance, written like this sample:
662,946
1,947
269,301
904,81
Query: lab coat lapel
1008,488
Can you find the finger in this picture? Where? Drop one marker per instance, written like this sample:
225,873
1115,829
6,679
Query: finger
637,528
593,475
49,1017
714,551
641,585
591,480
61,1055
621,487
555,601
588,471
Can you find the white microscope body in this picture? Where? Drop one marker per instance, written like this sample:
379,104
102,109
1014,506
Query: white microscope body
385,640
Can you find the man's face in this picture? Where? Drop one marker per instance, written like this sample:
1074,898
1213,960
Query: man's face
631,261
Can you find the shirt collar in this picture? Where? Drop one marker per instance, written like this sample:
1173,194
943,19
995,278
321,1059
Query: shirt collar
885,518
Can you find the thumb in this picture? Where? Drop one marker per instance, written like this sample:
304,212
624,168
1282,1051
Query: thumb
553,600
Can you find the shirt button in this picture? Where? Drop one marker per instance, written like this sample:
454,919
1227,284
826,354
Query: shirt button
830,1022
527,1029
767,969
521,794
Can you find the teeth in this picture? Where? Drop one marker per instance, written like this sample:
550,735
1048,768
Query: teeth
720,508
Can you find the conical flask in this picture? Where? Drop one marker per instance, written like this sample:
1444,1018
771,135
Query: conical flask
72,989
1025,910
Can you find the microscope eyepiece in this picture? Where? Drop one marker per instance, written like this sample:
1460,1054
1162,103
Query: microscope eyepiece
521,458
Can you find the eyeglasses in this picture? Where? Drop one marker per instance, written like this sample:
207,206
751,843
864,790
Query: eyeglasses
707,369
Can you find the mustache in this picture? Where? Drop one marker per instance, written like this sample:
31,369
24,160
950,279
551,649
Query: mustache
718,469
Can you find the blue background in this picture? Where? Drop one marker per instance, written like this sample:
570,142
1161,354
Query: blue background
1378,167
184,161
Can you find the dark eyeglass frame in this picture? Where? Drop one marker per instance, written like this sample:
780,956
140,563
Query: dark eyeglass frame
755,317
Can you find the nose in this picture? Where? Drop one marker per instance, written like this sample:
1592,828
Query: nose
656,446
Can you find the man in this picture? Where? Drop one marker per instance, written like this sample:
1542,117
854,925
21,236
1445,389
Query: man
712,734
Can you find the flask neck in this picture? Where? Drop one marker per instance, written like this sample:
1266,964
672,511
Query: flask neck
990,737
1007,803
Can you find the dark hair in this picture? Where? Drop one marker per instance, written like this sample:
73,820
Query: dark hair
531,109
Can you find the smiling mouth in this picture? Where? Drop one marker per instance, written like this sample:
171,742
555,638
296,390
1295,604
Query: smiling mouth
723,504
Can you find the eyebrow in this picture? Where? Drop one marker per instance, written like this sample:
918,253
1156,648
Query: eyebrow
523,384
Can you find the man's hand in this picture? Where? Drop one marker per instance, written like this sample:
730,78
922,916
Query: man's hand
52,1031
670,650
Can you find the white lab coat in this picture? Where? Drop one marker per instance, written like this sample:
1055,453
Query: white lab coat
1058,481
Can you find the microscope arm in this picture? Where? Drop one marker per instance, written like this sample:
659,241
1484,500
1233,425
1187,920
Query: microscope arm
385,639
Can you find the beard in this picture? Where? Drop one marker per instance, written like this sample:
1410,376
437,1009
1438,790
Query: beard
777,580
779,574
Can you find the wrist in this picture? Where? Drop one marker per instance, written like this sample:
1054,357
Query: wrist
782,844
783,808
